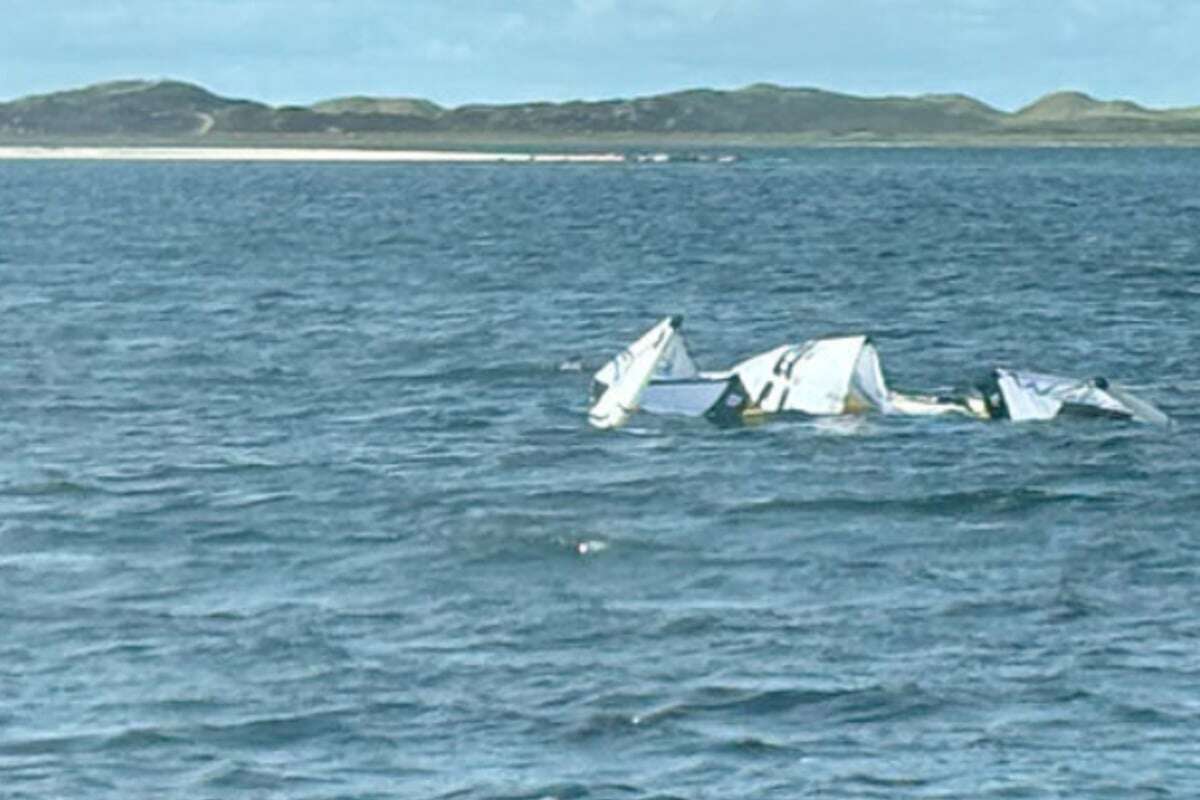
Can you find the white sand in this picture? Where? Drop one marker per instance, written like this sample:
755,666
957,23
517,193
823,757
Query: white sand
296,154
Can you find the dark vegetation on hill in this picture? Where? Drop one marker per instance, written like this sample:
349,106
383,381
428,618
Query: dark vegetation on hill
177,110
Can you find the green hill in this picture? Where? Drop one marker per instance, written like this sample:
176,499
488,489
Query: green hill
1075,113
1073,106
176,110
379,105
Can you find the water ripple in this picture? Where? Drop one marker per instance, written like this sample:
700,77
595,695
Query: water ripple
308,507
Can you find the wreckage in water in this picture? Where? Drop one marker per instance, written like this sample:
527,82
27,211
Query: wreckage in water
1024,396
827,376
656,374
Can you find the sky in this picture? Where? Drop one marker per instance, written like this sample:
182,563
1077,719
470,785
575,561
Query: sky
1004,52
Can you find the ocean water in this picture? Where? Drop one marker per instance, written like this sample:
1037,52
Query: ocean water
298,498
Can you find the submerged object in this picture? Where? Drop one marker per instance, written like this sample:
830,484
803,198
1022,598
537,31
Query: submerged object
656,374
1021,396
617,387
837,375
829,376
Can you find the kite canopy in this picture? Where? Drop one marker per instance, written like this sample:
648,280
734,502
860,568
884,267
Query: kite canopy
657,374
822,376
617,387
827,376
1038,396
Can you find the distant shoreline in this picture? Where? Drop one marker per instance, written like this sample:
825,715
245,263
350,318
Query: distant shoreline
527,149
82,153
176,114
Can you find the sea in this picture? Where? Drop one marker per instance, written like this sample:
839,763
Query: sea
298,498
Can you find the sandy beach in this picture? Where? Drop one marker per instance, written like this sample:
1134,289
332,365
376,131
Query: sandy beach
297,154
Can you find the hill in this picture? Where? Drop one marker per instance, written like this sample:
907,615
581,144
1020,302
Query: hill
176,109
379,105
181,111
1074,106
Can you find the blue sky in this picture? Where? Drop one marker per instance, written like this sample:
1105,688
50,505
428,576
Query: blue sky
1005,52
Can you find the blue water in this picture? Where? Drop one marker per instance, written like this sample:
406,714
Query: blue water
296,501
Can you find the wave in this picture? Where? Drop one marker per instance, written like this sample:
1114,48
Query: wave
45,745
753,746
546,540
986,501
48,488
490,374
54,561
544,791
273,732
260,778
121,741
827,707
242,499
873,781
